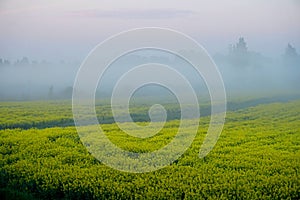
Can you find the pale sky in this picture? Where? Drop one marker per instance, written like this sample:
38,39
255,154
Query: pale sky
68,30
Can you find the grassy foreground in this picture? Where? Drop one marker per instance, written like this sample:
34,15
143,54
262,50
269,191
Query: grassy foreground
256,157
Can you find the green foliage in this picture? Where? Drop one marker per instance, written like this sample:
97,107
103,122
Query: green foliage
45,114
256,157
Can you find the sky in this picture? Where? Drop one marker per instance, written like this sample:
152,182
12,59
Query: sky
69,29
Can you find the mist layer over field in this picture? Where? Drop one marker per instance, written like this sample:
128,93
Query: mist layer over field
244,72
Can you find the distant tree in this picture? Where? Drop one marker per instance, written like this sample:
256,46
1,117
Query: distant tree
291,61
290,51
24,61
6,62
50,92
241,46
291,57
238,53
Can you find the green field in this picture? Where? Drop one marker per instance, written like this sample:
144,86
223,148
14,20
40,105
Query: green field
256,157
